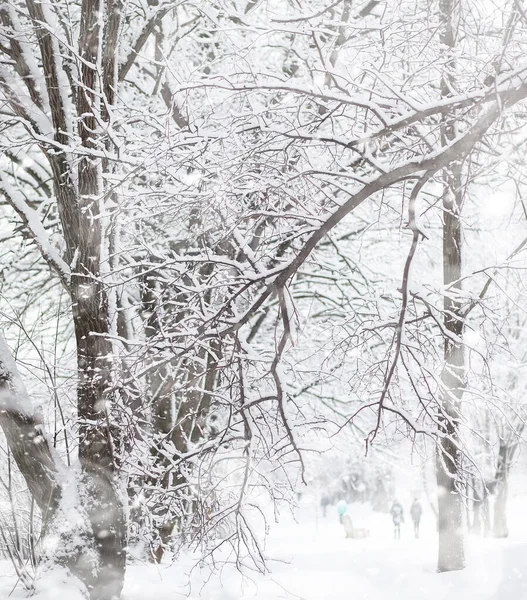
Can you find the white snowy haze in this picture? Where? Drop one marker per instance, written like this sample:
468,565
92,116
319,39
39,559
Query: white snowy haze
262,299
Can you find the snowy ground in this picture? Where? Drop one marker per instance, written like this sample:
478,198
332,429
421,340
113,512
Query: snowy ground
313,560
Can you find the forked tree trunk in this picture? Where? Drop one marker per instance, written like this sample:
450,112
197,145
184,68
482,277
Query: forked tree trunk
79,189
91,545
99,442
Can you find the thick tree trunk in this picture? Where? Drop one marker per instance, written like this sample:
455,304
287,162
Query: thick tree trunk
99,441
98,450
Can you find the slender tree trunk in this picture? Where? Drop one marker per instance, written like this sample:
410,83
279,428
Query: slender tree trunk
162,405
476,519
24,435
177,416
181,421
501,529
487,526
478,492
451,555
450,505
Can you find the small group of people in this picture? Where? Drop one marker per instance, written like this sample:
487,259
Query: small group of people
397,512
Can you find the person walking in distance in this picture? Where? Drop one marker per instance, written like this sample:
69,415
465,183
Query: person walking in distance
416,510
342,508
398,518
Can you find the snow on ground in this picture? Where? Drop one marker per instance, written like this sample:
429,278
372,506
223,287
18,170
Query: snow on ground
311,559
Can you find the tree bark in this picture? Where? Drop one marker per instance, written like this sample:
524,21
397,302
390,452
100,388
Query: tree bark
177,417
501,529
25,436
448,461
451,554
99,441
77,546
